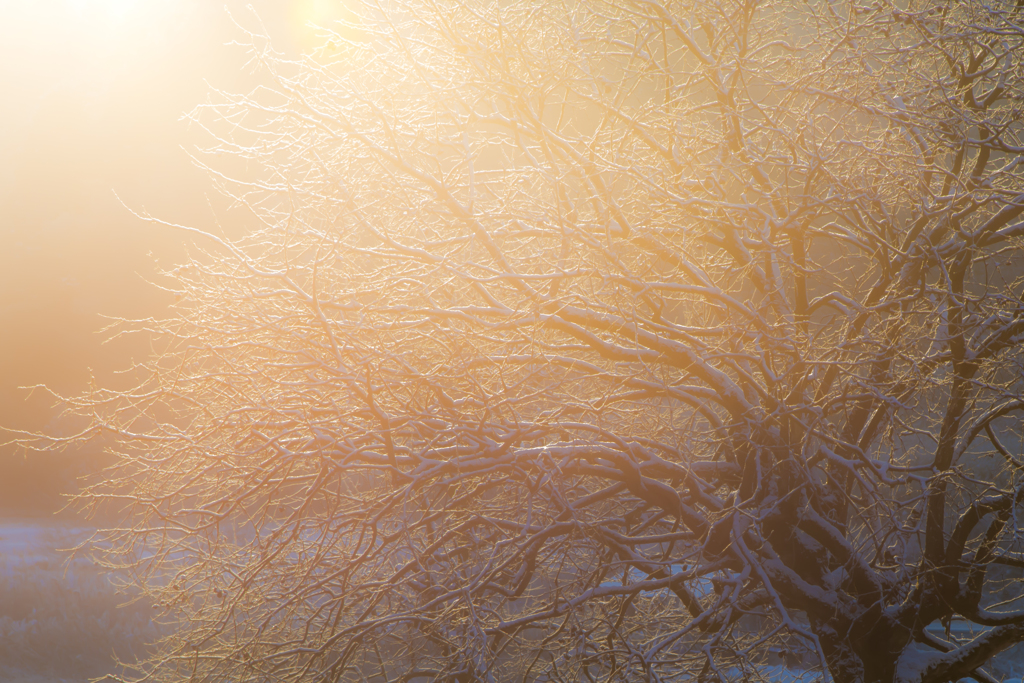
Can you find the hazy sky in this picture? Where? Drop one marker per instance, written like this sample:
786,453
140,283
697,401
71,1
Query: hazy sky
92,97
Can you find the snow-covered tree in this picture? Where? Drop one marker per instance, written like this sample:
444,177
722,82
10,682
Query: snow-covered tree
589,340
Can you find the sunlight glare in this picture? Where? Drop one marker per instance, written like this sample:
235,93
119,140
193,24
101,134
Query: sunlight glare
307,18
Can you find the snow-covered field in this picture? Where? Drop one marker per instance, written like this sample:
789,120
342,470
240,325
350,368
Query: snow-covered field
60,618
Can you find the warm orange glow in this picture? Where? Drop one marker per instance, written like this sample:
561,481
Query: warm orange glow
93,96
513,339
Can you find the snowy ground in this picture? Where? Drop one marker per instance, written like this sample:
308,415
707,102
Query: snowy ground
60,619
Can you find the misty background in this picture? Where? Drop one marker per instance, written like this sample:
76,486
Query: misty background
94,92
